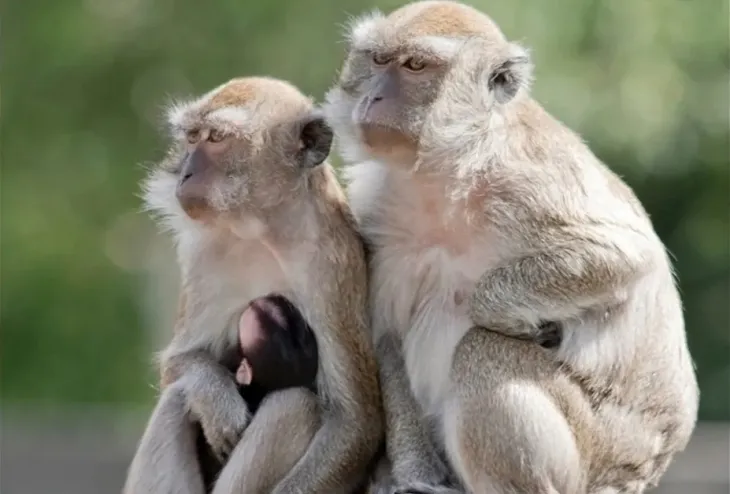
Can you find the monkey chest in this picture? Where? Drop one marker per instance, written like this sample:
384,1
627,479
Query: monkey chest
227,287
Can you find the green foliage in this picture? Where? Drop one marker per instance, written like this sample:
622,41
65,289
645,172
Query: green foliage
85,82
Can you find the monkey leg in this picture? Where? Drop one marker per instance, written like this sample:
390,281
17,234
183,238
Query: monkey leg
504,432
277,437
166,459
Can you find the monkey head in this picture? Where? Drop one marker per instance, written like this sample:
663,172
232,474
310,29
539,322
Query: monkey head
398,67
238,152
278,346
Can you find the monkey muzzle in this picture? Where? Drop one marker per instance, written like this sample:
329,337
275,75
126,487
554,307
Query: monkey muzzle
196,180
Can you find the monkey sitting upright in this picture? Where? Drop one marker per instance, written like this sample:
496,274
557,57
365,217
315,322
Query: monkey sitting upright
256,209
486,217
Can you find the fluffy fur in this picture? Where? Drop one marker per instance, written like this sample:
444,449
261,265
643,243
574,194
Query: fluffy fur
483,210
269,217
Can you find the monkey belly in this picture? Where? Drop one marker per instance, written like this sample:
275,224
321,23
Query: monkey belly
428,350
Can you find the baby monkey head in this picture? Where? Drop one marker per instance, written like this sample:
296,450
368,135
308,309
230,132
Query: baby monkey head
398,66
238,152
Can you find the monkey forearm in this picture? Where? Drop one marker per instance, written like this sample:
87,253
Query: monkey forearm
212,397
413,457
165,460
554,284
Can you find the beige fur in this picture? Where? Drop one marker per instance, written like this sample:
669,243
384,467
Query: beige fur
272,218
483,210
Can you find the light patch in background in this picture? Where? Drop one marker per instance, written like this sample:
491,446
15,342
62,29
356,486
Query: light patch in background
134,245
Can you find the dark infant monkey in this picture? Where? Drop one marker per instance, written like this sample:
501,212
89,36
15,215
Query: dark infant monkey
277,350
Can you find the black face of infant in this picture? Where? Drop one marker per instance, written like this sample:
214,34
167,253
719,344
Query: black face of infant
279,349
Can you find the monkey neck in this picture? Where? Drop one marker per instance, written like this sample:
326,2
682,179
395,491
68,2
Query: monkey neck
298,227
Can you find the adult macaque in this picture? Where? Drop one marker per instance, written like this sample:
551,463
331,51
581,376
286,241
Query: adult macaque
524,309
255,209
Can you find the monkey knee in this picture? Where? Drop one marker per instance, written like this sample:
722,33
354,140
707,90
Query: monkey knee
516,437
292,401
296,413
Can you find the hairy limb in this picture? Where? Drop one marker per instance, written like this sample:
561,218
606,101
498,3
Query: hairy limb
341,451
213,399
276,439
166,459
322,468
567,274
506,420
417,466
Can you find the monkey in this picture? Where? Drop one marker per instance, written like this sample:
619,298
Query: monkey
277,350
255,208
527,324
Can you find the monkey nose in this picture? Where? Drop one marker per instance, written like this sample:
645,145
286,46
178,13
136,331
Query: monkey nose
185,177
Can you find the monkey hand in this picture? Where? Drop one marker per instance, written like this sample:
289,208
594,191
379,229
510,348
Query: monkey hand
494,310
223,418
547,334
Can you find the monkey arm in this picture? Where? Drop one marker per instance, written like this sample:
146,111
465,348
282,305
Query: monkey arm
165,460
212,396
572,270
351,413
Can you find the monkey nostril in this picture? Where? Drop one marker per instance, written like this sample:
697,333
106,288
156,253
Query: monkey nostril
185,177
377,98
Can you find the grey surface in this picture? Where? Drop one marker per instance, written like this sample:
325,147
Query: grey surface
89,454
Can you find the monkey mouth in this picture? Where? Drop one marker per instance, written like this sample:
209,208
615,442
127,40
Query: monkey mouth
378,136
197,208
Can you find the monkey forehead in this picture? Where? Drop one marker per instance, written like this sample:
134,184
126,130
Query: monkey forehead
429,22
245,105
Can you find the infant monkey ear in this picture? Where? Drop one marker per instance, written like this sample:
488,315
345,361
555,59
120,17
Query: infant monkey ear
244,373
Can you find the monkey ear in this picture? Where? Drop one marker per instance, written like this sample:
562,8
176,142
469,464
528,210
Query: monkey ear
512,73
315,140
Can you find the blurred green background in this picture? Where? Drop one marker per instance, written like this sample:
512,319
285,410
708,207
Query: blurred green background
88,284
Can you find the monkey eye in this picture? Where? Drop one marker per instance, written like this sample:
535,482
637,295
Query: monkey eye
414,65
216,135
192,136
380,59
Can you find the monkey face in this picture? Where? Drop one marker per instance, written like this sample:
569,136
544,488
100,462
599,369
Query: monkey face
384,95
238,151
397,69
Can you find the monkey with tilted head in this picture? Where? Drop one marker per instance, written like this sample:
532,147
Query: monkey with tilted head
529,330
255,209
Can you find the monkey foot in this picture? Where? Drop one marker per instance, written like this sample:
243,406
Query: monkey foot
422,488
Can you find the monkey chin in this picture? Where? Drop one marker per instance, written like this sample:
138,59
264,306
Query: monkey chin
389,144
